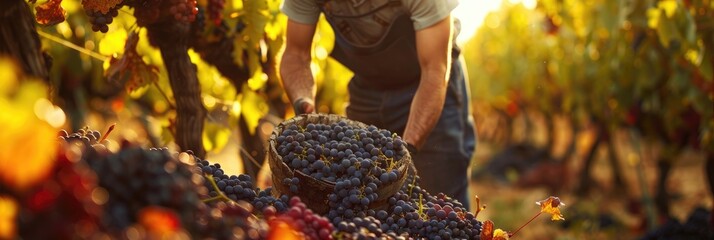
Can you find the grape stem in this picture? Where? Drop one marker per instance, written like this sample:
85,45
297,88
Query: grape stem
479,208
212,199
529,221
71,45
220,196
106,134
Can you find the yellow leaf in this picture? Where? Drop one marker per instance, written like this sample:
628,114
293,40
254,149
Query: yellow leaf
113,42
215,136
8,214
25,137
653,17
499,234
253,107
669,6
552,205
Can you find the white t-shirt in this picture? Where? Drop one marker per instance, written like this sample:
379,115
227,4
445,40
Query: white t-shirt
370,27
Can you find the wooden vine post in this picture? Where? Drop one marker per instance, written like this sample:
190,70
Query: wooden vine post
171,37
19,39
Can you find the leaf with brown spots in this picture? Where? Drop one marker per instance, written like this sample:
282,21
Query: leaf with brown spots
50,13
102,6
130,68
552,205
487,230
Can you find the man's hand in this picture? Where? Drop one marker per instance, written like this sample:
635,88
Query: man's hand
295,70
303,105
434,50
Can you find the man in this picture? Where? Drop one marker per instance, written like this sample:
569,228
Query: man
407,78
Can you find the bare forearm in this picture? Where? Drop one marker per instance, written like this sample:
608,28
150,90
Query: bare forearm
426,107
297,77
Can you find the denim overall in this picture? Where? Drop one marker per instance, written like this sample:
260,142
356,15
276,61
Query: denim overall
386,77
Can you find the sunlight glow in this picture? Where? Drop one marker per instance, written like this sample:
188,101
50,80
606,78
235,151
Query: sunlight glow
471,13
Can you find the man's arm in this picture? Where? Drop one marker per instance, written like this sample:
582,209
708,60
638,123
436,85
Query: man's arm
434,50
295,70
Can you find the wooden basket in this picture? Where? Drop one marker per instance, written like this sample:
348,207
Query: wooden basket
313,192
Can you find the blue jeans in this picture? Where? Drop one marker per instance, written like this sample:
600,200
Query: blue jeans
443,161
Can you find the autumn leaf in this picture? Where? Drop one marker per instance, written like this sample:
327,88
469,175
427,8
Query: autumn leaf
26,134
8,214
487,230
552,205
130,68
102,6
488,233
499,234
50,13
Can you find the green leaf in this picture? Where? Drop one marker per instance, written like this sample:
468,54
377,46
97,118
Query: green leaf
253,107
668,6
667,30
215,136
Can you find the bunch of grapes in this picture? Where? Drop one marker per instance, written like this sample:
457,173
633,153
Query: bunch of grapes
234,187
309,224
135,178
230,220
66,205
85,135
269,205
100,21
183,10
357,160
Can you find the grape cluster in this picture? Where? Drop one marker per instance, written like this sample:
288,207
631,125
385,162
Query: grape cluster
85,135
183,10
360,161
234,187
239,188
215,11
430,216
413,213
135,178
231,220
293,183
357,160
269,205
62,206
310,225
100,21
339,152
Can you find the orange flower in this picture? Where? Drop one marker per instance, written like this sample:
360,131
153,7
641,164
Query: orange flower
552,205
